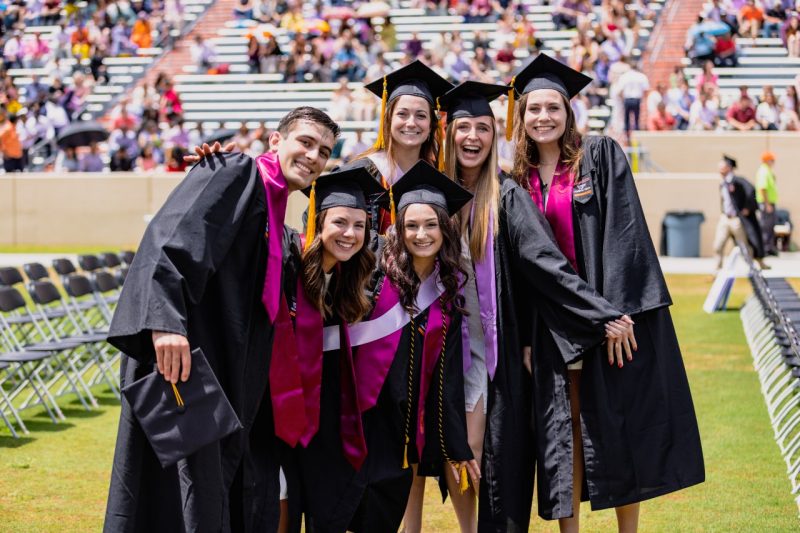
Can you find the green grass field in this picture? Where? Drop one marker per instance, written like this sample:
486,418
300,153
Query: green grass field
56,479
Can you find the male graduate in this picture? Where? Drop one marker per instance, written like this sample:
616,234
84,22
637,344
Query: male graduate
738,219
208,275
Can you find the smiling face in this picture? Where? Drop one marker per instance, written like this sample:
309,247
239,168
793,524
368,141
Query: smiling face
473,138
302,152
422,234
410,122
545,116
343,231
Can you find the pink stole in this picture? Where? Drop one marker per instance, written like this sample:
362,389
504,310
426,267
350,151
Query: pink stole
286,387
558,211
374,359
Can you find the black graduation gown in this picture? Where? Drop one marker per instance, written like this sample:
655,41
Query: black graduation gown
743,197
199,272
383,482
528,262
640,434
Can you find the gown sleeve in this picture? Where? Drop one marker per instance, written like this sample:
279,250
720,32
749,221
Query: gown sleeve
573,311
181,250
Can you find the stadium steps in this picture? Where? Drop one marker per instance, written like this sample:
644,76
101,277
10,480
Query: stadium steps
665,48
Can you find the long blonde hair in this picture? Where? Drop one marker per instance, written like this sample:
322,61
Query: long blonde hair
429,151
487,192
526,155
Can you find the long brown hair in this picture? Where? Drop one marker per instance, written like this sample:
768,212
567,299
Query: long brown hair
487,191
526,155
398,263
429,151
348,299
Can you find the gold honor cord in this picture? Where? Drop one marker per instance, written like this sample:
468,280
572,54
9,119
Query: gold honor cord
463,480
410,387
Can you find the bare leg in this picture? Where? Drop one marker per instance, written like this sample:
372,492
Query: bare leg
465,504
412,520
572,525
628,518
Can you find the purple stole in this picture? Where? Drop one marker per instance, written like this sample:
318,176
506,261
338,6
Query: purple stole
286,386
351,426
559,208
375,358
486,284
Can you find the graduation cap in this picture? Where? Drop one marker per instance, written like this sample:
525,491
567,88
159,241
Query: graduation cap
349,187
544,72
179,419
471,99
415,79
728,159
423,184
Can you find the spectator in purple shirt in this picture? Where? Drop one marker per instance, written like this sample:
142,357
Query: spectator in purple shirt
414,46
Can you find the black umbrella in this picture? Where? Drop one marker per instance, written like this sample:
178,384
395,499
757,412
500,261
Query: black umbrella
219,136
81,134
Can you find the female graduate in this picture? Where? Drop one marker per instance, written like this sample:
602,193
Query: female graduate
633,434
506,245
327,286
409,374
407,129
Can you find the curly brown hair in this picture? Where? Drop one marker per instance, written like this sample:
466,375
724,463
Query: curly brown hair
526,155
398,263
348,298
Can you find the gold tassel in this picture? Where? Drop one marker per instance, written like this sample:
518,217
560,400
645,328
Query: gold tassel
463,480
311,225
178,398
440,134
380,143
510,111
405,454
392,210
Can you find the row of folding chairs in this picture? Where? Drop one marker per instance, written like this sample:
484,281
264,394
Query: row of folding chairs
771,320
53,335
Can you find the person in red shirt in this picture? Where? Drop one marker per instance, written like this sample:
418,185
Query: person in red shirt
725,51
741,115
661,120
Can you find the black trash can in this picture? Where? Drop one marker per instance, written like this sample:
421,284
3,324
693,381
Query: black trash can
681,233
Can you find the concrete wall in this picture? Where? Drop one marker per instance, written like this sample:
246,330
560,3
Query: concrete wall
111,210
700,152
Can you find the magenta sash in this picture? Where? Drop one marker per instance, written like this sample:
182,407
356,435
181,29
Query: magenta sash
285,382
559,209
277,194
351,426
308,335
374,359
432,348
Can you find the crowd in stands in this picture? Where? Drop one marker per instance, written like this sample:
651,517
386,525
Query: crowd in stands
713,36
64,63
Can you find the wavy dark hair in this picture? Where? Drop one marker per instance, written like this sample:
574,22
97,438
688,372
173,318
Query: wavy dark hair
348,299
398,263
526,155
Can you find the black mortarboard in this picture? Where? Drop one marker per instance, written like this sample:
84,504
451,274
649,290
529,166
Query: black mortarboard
728,159
350,187
180,419
423,184
471,99
416,79
544,72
